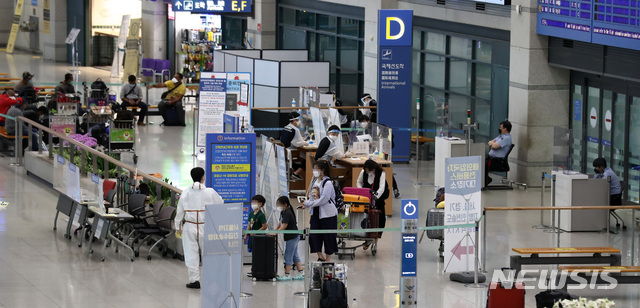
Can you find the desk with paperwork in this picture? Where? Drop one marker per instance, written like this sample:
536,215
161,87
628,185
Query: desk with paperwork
102,224
356,164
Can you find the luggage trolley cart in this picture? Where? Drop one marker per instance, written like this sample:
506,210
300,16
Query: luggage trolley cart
122,137
354,216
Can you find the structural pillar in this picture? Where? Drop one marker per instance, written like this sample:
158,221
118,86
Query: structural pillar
154,29
261,30
538,97
54,47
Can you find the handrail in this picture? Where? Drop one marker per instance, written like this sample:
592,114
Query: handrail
305,108
554,208
100,154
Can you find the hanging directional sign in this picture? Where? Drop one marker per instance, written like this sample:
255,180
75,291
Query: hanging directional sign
212,6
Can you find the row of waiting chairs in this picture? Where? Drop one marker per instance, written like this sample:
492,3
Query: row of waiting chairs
156,68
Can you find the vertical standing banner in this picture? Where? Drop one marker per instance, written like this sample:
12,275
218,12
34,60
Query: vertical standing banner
46,17
395,28
211,107
230,168
15,26
409,266
133,46
235,104
282,171
122,41
463,182
222,255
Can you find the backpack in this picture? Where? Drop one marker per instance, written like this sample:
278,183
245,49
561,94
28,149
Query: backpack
99,85
339,199
334,295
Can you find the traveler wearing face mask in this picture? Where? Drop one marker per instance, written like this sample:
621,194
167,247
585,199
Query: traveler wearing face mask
324,214
499,147
173,100
190,222
288,222
292,139
330,148
604,172
257,219
367,101
372,176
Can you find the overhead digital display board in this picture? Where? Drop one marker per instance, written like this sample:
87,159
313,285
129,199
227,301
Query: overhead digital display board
605,22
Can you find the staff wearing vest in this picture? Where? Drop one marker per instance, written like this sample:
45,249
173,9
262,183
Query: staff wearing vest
328,148
292,139
372,176
324,214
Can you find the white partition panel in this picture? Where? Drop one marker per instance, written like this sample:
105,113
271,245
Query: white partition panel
304,74
218,61
230,63
255,54
265,97
245,65
267,73
285,55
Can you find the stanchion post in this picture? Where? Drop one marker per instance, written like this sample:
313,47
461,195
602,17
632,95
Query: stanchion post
633,237
409,266
541,225
484,240
418,142
476,284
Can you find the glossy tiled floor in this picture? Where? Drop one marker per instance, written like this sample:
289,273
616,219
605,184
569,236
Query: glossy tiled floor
39,268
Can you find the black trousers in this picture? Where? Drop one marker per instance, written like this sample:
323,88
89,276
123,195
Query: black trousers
329,240
162,107
143,109
615,199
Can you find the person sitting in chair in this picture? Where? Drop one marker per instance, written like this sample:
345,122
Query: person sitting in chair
604,172
172,99
499,149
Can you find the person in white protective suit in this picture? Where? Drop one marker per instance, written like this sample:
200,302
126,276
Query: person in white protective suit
190,222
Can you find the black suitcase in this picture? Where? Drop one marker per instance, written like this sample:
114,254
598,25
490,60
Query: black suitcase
334,295
264,257
435,217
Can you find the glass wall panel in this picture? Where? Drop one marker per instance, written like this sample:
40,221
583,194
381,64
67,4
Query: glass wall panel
634,150
293,39
327,23
348,86
593,133
429,110
605,122
483,81
349,54
483,117
577,117
434,70
287,16
305,19
349,27
458,106
416,74
460,47
327,49
460,76
483,51
435,42
618,126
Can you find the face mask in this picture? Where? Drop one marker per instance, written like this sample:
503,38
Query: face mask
372,173
254,206
316,173
596,170
499,131
174,80
364,124
333,138
300,124
280,208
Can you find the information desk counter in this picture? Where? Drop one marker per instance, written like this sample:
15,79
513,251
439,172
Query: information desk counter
577,189
356,163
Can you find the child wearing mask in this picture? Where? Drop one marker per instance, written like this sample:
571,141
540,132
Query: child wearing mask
288,222
257,219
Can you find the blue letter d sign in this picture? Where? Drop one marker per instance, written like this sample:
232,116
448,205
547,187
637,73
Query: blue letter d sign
394,27
400,30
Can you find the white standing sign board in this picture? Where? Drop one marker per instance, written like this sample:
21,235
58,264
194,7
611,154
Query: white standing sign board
463,183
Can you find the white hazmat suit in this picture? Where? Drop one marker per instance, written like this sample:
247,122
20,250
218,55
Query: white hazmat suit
191,212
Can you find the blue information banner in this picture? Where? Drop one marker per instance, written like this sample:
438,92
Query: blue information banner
409,240
212,6
230,168
394,76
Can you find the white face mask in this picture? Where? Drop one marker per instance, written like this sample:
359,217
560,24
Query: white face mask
372,173
280,208
333,138
364,124
254,206
316,173
174,80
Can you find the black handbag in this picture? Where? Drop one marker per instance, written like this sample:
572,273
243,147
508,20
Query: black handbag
166,93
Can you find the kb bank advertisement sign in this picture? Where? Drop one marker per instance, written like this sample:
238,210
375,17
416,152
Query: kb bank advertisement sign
395,28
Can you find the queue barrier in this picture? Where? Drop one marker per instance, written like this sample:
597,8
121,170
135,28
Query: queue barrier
556,208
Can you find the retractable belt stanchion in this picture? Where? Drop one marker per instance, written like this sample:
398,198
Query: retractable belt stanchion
555,224
418,143
542,225
306,258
